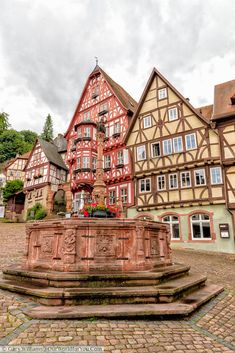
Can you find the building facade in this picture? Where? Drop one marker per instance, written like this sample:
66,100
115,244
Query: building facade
102,99
15,167
184,165
45,175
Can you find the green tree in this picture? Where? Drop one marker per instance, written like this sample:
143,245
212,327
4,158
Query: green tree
29,136
47,133
11,188
11,144
4,123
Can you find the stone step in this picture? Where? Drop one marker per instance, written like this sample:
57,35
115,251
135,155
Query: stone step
167,292
180,308
75,279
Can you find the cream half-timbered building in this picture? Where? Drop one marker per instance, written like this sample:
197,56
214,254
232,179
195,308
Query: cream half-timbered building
178,172
15,167
102,98
44,172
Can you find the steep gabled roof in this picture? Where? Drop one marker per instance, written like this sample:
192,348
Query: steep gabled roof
22,156
223,107
125,99
52,154
154,73
206,111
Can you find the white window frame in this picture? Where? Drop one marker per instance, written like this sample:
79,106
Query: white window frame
143,153
120,157
123,193
162,93
200,221
87,116
147,121
195,177
171,222
173,114
177,150
112,197
104,106
190,179
87,131
86,162
152,149
117,128
177,184
167,143
107,161
144,183
190,147
212,177
161,179
94,161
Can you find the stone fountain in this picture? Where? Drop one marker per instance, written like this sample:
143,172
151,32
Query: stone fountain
90,267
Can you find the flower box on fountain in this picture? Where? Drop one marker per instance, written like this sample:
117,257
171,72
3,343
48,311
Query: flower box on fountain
100,211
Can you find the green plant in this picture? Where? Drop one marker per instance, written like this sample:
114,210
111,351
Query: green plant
36,212
11,188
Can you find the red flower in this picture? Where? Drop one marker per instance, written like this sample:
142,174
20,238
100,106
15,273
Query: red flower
86,214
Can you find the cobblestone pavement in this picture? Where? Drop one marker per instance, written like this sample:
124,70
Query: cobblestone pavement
211,329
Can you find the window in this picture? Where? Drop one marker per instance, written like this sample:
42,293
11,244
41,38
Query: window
107,131
167,147
94,134
116,128
173,221
124,195
87,116
87,132
145,185
191,142
172,114
162,93
112,197
156,152
147,121
161,182
185,179
200,178
79,163
86,162
104,107
95,92
173,181
200,225
141,153
177,144
120,157
94,159
107,161
216,177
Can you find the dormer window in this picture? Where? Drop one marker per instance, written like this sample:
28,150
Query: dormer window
87,116
95,92
103,108
233,99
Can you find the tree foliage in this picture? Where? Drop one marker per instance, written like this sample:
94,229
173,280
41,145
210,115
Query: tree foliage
11,188
11,144
4,122
36,212
47,133
29,136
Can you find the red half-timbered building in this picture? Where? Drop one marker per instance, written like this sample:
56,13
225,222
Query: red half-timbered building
102,98
45,171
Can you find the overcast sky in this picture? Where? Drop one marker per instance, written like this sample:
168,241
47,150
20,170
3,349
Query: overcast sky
47,50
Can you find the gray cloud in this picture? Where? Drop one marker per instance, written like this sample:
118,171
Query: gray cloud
49,47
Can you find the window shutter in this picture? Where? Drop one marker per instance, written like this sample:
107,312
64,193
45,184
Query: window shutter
125,157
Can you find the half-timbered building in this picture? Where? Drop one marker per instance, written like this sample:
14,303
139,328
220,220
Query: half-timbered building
45,172
102,98
14,169
184,165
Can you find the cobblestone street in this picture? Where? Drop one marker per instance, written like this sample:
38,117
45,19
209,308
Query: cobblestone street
211,329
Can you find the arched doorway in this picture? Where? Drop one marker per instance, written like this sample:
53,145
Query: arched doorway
59,202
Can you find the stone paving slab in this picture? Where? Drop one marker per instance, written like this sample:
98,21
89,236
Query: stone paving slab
209,330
